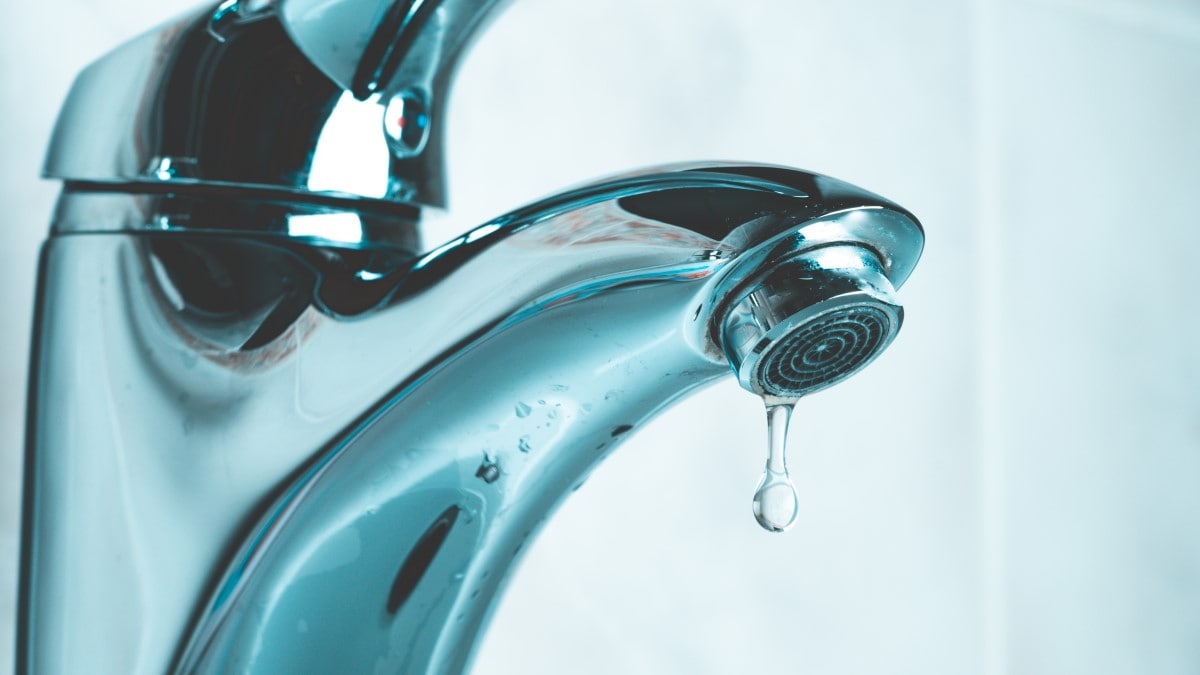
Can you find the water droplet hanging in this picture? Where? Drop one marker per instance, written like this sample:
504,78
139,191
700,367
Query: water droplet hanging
775,501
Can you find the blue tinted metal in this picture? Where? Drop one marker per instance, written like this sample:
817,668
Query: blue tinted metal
273,431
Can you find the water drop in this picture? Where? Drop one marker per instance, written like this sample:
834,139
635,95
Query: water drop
524,444
523,409
775,501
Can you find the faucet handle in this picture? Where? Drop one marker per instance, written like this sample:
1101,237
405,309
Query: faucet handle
379,46
275,97
401,55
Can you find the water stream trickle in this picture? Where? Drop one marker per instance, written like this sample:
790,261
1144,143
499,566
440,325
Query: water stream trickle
775,501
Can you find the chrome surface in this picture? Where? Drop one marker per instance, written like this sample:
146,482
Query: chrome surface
372,46
225,413
811,322
272,429
258,94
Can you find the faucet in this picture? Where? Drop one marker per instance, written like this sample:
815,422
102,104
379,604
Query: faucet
274,430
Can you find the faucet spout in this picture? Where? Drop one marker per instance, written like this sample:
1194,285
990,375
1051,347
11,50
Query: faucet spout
351,443
398,535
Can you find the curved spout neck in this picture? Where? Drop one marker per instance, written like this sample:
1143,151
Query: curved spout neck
399,535
323,454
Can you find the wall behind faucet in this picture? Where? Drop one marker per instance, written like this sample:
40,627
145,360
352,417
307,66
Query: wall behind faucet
1012,488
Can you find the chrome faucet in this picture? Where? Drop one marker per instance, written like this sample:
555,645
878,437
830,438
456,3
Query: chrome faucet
273,430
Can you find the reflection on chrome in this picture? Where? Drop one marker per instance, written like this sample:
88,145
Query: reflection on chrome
272,431
347,156
337,228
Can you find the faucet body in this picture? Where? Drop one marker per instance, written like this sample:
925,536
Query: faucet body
272,430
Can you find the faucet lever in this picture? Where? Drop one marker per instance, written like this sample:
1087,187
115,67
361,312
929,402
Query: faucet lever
275,98
372,46
393,38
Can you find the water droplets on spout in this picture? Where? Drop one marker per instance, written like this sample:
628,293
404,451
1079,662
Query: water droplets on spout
775,501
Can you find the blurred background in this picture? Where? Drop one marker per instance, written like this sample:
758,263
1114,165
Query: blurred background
1013,488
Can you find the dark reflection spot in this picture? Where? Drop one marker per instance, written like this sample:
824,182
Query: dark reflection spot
710,212
617,431
419,559
281,318
242,293
802,183
488,471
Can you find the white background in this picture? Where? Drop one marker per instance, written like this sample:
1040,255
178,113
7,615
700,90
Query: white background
1013,488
